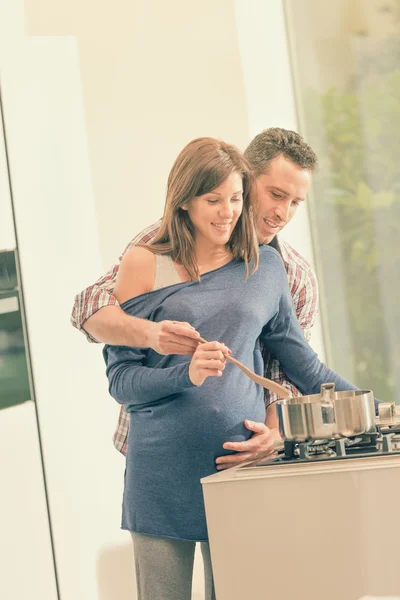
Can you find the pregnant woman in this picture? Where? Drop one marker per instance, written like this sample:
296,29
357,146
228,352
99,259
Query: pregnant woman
204,267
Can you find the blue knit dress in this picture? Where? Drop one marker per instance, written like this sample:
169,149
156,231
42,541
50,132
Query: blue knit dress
177,429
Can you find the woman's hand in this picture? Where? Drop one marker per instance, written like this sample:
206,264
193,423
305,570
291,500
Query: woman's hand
207,361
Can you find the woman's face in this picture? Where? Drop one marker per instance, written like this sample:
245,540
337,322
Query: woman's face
214,215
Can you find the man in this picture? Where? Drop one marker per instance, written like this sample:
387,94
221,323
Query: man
283,164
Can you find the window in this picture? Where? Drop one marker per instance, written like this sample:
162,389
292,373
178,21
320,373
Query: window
346,67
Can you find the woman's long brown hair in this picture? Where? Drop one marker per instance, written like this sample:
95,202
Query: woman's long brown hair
202,166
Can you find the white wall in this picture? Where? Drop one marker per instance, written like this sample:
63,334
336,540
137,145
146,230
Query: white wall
11,23
155,75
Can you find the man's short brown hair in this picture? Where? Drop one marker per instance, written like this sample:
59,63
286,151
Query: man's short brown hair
275,141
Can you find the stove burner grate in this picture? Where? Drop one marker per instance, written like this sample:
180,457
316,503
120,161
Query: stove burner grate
389,442
317,450
344,447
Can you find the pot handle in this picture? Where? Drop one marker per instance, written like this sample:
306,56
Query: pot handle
327,393
327,404
387,412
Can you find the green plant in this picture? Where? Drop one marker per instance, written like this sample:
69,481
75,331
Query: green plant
356,210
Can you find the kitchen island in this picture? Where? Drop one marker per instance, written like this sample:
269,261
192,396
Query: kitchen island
317,530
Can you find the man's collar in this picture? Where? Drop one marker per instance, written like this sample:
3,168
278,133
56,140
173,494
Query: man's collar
274,243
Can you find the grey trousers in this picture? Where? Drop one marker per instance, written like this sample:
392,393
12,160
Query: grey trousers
164,568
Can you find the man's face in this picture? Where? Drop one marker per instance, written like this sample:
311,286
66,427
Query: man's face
278,193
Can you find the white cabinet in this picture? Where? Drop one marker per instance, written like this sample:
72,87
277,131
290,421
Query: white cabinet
25,547
7,235
26,557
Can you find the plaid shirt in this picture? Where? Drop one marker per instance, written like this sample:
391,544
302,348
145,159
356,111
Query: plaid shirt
303,288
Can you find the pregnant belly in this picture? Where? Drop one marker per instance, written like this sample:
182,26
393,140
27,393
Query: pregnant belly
197,422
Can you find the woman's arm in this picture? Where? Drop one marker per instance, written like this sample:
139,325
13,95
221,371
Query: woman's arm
136,274
132,384
284,338
305,301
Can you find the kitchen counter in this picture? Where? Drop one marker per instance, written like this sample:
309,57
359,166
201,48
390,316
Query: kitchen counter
316,531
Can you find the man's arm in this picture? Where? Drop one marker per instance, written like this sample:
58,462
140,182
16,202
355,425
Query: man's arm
96,312
260,444
111,325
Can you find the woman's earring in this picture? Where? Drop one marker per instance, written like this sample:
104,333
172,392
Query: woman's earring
184,207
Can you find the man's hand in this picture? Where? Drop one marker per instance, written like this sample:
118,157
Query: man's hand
172,337
261,444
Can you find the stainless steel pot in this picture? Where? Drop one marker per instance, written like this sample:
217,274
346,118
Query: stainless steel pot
354,412
327,415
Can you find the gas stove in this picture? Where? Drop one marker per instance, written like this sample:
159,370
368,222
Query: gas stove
385,441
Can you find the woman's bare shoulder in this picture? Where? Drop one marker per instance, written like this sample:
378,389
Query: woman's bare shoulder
136,273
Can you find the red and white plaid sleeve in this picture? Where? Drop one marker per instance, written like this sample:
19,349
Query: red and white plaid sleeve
303,287
100,294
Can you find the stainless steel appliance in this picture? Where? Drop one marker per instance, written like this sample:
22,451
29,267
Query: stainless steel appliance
14,371
318,519
329,414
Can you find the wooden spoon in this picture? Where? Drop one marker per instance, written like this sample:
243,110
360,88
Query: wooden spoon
268,384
